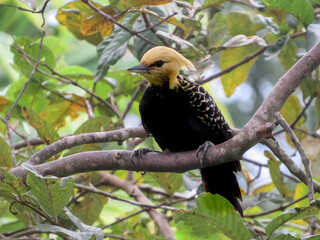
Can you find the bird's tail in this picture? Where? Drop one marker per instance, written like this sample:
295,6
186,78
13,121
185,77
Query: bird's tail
221,179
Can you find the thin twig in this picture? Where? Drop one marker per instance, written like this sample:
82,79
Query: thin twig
229,69
301,114
305,161
280,208
98,191
124,218
65,79
157,24
133,98
6,120
32,11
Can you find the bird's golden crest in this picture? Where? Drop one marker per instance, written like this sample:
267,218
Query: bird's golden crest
173,62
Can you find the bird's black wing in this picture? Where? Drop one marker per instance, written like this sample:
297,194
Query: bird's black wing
218,179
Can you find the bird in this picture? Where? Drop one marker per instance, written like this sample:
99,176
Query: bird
182,116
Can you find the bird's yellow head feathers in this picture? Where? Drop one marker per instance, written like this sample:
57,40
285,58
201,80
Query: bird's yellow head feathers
161,65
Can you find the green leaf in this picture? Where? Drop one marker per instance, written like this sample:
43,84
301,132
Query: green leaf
211,3
96,124
309,87
293,214
32,49
276,48
237,76
241,23
170,182
5,153
88,209
302,9
88,233
11,186
213,213
284,237
217,30
277,179
45,130
52,193
288,55
112,48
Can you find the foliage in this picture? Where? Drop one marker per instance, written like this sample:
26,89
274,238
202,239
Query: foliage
81,86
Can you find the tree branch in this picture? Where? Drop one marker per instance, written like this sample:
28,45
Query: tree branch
133,190
230,150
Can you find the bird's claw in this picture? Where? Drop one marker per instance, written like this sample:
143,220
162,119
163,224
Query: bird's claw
202,150
138,154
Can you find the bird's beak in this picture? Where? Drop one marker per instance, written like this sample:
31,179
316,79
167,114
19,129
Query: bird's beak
139,69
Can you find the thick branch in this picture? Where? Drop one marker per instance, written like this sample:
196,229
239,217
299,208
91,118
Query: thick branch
180,162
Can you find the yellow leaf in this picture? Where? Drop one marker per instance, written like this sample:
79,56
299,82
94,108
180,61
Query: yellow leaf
3,103
311,147
238,75
264,188
290,111
98,23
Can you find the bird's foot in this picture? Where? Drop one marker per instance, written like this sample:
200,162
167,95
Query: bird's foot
138,154
202,151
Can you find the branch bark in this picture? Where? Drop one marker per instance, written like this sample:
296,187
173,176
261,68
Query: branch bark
231,150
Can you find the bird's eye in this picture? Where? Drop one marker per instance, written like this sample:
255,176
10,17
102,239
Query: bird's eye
158,63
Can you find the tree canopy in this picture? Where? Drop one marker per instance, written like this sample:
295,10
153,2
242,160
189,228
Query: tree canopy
69,119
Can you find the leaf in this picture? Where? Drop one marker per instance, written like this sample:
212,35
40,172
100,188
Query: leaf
277,179
89,207
313,35
241,24
172,20
230,57
290,112
5,153
112,48
293,214
141,46
213,213
140,3
284,237
52,193
3,103
72,14
210,3
98,23
309,87
312,150
302,9
11,186
275,49
45,130
170,182
217,30
56,113
83,227
242,40
288,55
32,49
96,124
